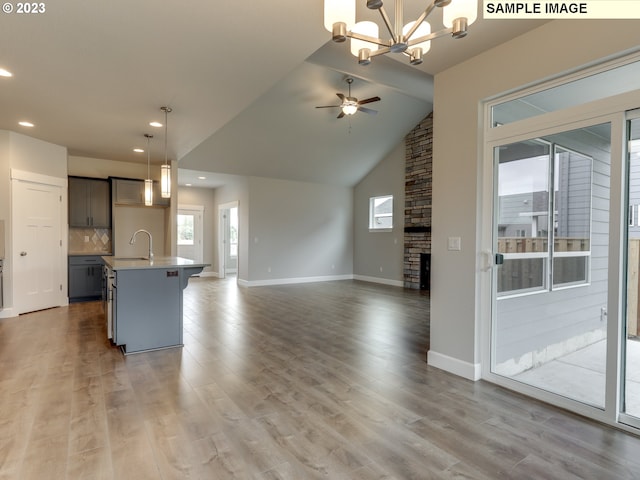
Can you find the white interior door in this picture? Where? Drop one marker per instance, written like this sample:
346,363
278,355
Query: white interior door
190,232
38,254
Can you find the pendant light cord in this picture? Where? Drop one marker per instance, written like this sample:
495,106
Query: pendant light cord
166,111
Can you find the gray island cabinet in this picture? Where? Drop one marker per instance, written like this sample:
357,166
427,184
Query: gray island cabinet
146,301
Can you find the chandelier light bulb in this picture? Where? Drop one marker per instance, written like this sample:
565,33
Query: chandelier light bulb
339,11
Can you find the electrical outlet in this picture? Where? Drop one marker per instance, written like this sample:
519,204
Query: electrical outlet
86,239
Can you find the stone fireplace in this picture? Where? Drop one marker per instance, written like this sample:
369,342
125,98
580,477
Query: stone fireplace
417,209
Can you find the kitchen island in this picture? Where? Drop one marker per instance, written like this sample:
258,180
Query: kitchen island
146,300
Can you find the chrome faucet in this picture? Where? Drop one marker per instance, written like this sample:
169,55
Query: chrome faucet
133,240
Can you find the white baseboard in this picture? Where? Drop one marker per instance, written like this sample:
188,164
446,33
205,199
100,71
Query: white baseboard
383,281
7,313
208,274
291,281
470,371
323,278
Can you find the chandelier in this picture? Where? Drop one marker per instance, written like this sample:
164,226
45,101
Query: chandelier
413,39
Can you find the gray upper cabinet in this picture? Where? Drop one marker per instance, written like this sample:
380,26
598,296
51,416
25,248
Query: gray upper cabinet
131,192
89,203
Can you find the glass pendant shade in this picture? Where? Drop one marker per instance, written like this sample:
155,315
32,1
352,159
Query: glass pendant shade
364,28
460,9
339,11
423,30
148,192
165,181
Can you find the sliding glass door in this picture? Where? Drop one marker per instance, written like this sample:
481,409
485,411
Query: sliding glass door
551,248
631,331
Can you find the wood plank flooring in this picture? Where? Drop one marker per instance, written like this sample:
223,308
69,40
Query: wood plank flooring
310,381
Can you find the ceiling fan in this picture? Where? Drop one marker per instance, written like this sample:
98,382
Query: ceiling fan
351,105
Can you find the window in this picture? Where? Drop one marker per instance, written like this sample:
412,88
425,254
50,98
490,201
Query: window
544,224
185,229
233,232
381,213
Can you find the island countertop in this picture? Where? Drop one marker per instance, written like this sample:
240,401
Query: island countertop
128,263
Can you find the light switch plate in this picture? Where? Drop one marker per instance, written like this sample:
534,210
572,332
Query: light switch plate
454,244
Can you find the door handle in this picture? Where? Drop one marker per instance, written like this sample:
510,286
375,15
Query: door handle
23,254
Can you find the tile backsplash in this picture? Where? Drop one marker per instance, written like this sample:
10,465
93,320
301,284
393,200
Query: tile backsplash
99,240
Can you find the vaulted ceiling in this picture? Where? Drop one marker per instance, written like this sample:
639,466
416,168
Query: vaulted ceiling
242,77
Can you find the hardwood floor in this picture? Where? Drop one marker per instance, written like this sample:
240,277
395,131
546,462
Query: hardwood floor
323,380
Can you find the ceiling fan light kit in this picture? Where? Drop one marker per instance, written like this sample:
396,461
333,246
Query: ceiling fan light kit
413,39
350,105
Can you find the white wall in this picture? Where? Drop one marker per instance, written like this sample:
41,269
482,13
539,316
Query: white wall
102,168
299,231
128,219
5,209
549,50
379,256
28,154
35,156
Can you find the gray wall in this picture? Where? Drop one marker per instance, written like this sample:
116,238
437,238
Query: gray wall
205,197
236,189
298,230
380,255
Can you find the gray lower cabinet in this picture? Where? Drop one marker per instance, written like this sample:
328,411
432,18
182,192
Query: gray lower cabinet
147,309
85,278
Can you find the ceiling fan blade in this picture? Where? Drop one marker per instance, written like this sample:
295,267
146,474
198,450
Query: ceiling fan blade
367,110
329,106
369,100
341,114
340,96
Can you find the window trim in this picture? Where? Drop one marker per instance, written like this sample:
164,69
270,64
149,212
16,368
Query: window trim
373,216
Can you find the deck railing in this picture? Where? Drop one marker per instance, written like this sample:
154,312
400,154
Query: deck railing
515,245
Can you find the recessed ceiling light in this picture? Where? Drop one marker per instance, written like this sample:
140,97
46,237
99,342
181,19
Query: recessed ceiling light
138,150
26,124
202,178
187,184
156,124
5,73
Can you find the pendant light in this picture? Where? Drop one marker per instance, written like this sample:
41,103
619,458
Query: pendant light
148,182
165,170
